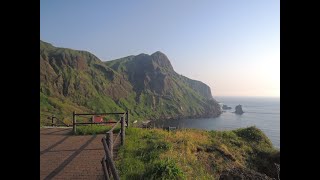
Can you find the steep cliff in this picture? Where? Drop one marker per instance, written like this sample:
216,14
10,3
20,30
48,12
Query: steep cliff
147,85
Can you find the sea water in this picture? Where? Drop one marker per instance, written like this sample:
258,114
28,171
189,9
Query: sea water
264,113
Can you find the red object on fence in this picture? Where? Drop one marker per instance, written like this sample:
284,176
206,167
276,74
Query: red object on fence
97,119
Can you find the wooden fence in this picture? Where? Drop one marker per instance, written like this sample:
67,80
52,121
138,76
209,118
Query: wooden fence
108,164
57,121
75,123
51,120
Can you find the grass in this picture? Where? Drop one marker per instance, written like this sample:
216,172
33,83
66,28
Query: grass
193,154
95,129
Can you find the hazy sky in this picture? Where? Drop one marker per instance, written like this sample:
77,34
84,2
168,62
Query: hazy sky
231,45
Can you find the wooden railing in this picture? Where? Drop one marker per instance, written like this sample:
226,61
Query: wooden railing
75,123
52,120
48,118
56,123
108,164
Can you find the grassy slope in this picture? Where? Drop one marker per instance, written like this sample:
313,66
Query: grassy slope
193,154
72,80
59,72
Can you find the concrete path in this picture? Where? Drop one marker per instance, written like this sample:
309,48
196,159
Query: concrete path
64,156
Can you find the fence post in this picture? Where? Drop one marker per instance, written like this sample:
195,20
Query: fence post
127,118
52,120
110,142
74,122
104,167
110,161
122,131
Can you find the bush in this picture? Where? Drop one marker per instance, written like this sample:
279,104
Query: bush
152,150
164,169
252,134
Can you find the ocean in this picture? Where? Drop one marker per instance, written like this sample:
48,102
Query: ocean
264,113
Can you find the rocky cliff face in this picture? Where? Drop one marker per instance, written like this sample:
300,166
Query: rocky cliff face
145,84
200,87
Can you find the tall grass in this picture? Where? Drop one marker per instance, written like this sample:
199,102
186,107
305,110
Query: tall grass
95,129
193,154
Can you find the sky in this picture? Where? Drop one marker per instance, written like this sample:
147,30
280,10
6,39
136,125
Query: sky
233,46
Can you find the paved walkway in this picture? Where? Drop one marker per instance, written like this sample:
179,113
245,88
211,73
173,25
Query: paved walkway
64,156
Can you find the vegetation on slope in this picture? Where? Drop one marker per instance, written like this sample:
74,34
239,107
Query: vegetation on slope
147,85
194,154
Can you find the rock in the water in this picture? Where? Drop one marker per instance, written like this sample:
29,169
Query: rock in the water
239,109
224,107
242,174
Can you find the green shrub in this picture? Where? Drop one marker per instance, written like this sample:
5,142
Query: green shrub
95,129
252,134
164,169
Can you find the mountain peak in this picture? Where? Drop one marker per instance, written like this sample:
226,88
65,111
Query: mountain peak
162,60
45,45
158,53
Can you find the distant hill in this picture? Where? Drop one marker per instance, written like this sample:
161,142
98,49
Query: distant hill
147,85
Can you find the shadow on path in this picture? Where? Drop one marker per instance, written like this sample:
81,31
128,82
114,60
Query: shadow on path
51,133
54,145
96,149
67,161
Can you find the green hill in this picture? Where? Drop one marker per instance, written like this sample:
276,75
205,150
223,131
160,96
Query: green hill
147,85
244,153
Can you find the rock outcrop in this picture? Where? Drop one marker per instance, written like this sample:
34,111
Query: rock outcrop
225,107
239,109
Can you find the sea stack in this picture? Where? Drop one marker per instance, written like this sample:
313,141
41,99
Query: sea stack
224,107
239,109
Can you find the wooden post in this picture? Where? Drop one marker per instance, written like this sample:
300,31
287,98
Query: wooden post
110,142
122,131
127,118
110,161
104,167
52,120
74,121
